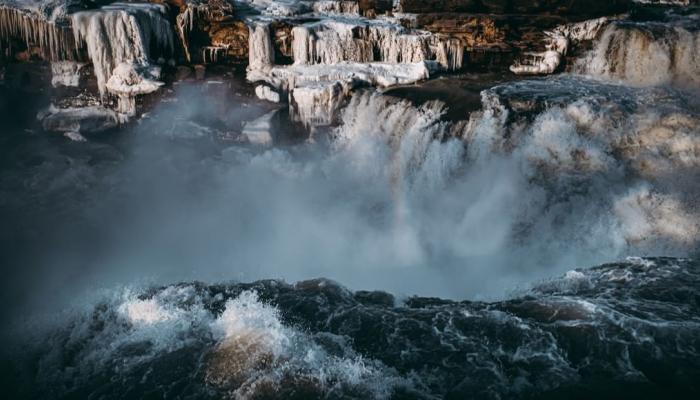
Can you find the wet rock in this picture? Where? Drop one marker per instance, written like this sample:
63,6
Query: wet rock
89,119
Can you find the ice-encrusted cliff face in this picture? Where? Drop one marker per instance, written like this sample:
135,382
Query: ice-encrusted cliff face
122,33
329,42
335,54
48,34
317,92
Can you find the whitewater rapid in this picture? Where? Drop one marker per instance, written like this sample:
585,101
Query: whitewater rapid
319,339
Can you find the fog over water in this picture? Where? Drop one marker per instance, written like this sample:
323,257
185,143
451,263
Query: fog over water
393,202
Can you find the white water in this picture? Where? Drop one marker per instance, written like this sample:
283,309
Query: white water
252,350
645,54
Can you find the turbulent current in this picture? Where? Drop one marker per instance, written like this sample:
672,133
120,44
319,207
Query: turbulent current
353,209
625,330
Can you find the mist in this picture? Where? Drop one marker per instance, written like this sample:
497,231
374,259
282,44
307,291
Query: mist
396,203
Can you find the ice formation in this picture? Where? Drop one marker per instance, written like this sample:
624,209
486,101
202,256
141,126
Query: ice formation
66,73
358,40
340,52
317,91
185,22
212,54
122,33
54,41
128,81
329,42
316,104
260,52
337,7
557,46
264,92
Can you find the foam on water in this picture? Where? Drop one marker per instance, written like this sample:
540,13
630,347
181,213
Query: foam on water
271,339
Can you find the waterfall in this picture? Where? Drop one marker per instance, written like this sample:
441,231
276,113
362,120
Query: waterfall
645,54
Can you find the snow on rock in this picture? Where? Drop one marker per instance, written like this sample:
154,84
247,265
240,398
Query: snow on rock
122,33
558,42
66,73
75,136
78,120
128,81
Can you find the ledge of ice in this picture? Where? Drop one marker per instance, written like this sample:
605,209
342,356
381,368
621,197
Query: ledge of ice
122,33
316,92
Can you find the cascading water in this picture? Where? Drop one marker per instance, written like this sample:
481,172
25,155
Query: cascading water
396,174
645,53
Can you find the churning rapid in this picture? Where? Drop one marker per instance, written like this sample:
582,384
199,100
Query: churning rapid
419,193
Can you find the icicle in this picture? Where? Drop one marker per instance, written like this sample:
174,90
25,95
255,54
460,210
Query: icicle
331,42
54,41
211,54
185,23
337,7
260,51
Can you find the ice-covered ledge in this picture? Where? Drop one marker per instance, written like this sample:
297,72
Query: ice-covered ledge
316,92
